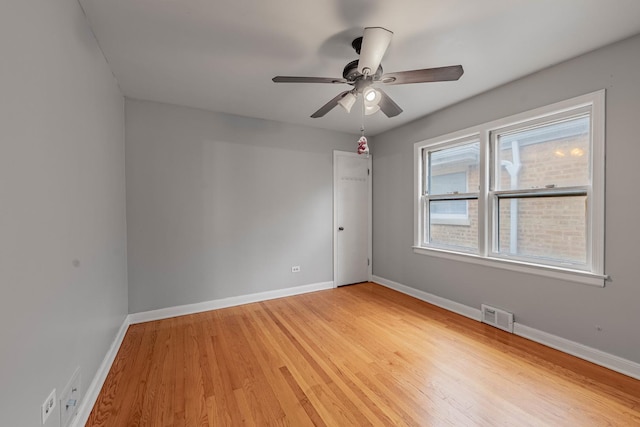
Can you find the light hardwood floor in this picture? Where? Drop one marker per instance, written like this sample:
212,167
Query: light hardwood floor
357,355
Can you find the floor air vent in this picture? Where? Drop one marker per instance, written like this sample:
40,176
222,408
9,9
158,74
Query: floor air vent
499,318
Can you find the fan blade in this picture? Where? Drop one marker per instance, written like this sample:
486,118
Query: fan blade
442,74
388,105
290,79
375,42
329,105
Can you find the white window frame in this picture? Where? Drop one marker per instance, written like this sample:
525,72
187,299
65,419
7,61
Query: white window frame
593,273
426,198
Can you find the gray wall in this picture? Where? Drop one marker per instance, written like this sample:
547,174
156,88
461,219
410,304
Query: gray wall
221,205
62,198
569,310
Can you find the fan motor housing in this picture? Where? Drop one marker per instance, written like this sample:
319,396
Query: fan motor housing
351,73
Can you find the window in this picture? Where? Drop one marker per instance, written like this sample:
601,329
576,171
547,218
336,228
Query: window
451,196
450,176
539,192
524,193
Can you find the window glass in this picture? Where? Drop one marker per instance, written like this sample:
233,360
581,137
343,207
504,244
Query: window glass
550,229
463,237
548,156
449,183
449,208
454,170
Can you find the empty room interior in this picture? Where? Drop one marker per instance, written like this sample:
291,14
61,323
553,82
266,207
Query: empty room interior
351,212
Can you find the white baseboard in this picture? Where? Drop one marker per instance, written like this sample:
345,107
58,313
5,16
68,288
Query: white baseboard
456,307
573,348
610,361
90,397
181,310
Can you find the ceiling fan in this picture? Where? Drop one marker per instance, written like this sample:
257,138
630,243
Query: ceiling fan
365,75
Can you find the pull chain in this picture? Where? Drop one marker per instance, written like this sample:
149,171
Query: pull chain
362,122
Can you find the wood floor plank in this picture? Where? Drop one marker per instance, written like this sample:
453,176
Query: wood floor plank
321,341
335,398
271,365
357,355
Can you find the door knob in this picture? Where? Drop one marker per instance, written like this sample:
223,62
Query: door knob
340,228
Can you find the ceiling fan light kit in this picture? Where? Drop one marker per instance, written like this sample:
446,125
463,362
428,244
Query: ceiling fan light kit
347,101
371,109
371,100
361,75
371,95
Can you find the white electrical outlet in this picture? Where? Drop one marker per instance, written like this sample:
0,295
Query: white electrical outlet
295,269
70,399
48,406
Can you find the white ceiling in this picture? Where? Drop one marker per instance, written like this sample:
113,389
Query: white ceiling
221,55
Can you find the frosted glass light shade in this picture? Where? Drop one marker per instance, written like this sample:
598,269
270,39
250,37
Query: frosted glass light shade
371,100
371,109
347,101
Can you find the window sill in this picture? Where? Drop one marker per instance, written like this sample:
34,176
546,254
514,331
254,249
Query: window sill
522,267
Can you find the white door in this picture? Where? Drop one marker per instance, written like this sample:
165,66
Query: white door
352,218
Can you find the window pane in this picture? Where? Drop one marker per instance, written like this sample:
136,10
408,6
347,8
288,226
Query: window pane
445,184
449,183
454,170
544,228
555,154
463,236
449,207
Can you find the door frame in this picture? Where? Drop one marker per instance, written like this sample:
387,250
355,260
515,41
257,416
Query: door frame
336,154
